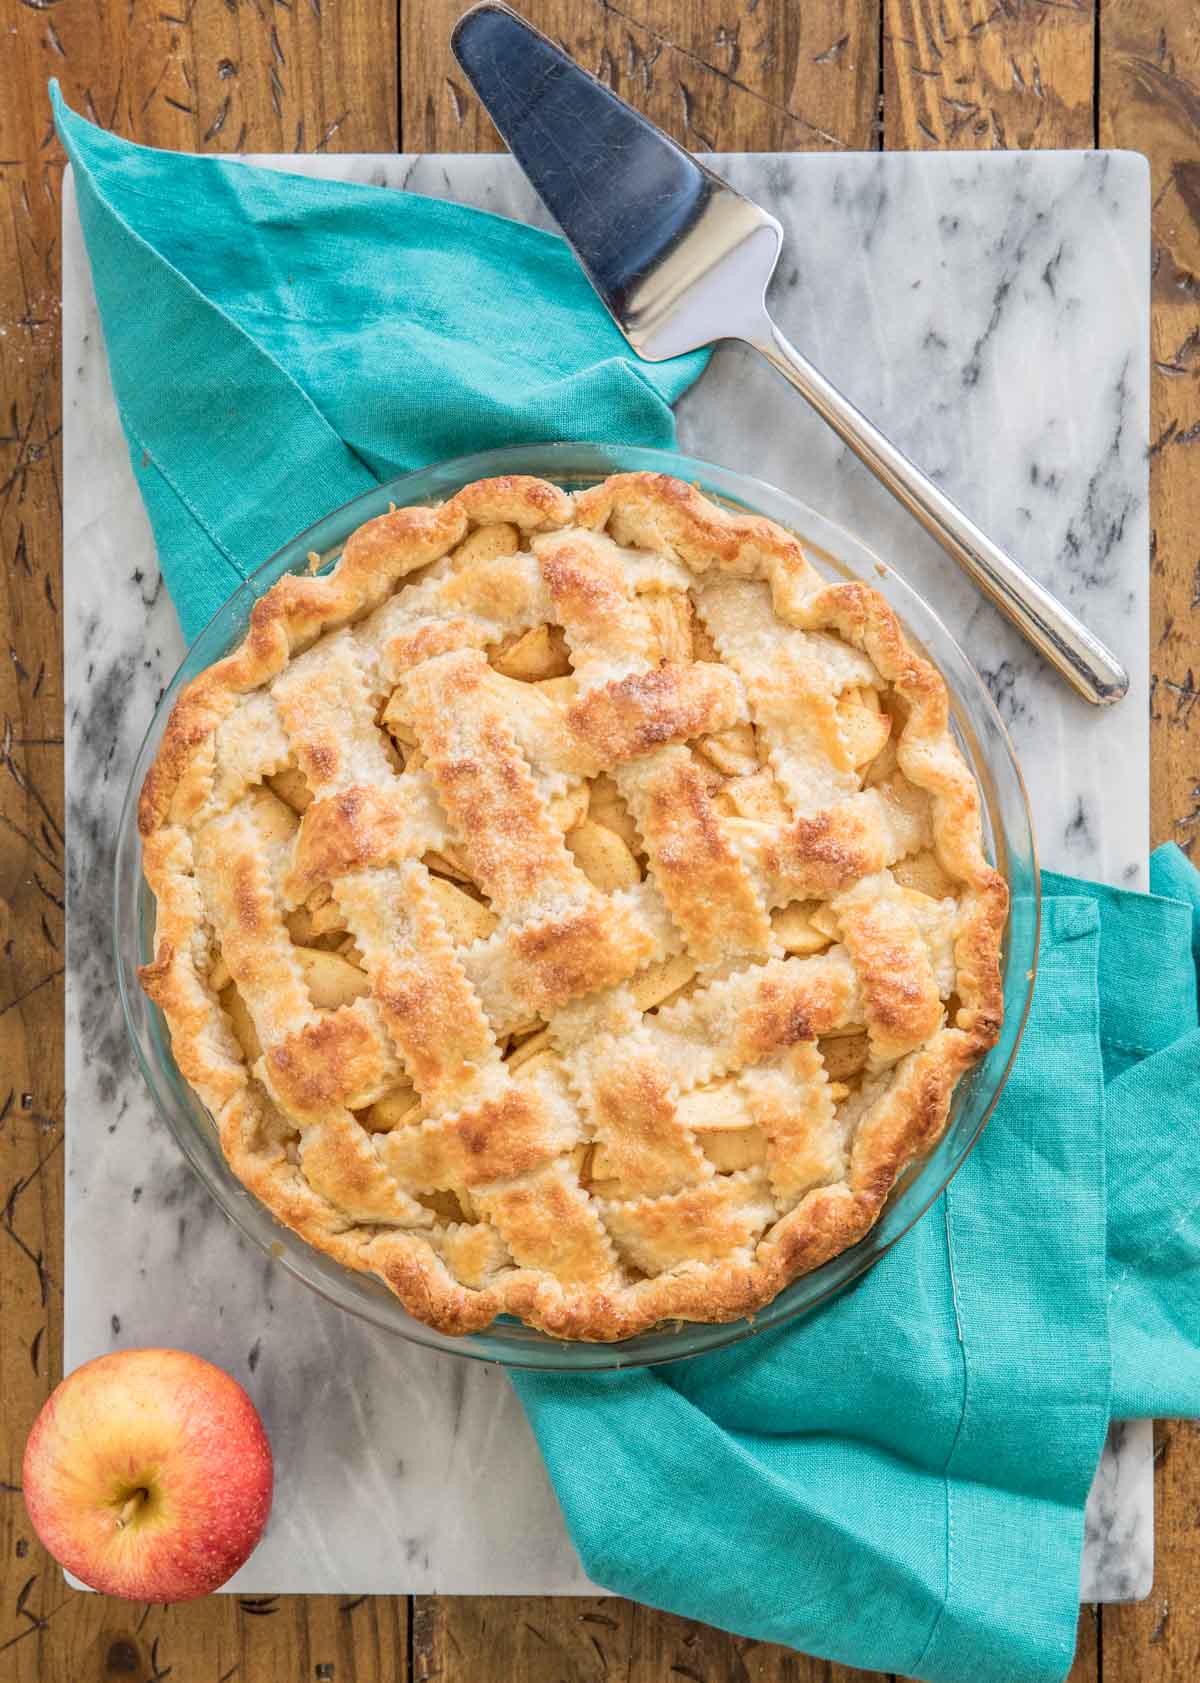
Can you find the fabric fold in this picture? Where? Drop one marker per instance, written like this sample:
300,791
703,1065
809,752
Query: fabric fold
278,344
897,1481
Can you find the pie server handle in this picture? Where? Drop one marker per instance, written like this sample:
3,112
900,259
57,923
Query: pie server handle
1087,664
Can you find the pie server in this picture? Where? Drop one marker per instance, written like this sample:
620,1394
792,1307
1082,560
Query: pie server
680,260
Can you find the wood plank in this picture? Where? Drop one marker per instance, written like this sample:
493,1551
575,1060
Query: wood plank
762,75
1150,100
216,75
32,1596
1086,1665
1158,1640
461,1639
963,73
264,1639
469,1639
755,77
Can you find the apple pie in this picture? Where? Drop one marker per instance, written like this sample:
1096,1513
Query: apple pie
572,907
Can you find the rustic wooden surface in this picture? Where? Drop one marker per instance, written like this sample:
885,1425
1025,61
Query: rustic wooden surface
367,75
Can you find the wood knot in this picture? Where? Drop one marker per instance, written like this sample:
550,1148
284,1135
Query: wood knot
122,1659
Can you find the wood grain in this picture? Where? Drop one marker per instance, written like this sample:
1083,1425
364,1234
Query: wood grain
362,75
1150,101
1149,86
460,1640
32,1596
204,75
962,73
1158,1640
766,75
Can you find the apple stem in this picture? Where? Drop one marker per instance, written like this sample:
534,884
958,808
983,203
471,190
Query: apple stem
131,1507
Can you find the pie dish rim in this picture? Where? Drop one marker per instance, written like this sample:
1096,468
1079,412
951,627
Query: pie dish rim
579,464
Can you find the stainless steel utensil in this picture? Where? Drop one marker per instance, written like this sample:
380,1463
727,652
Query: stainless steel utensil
681,260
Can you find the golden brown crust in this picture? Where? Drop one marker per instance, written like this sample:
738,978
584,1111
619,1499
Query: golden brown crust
645,710
570,1189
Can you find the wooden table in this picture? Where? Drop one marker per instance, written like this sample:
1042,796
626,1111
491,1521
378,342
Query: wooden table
376,75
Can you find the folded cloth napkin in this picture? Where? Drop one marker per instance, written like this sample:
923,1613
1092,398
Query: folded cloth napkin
898,1480
278,344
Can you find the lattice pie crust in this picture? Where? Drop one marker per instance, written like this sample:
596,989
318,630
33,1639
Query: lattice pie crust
572,907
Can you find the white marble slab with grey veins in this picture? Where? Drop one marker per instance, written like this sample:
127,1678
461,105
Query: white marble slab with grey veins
991,311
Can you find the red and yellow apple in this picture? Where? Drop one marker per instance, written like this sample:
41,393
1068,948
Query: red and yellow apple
148,1475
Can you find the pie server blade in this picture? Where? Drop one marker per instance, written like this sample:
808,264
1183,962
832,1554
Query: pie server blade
681,260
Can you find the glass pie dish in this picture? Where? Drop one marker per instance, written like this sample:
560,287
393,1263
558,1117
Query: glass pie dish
1008,841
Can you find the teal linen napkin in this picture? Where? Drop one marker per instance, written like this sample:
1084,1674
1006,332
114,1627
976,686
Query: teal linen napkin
898,1480
278,344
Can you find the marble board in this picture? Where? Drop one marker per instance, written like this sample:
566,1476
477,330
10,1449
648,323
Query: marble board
991,311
